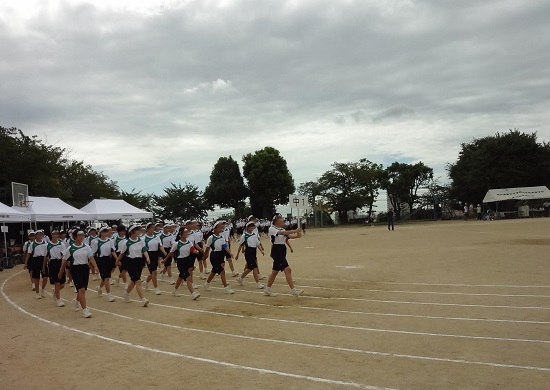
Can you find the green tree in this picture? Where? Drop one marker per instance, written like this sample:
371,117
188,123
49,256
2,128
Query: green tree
369,177
402,182
137,199
269,180
341,189
512,159
226,188
179,203
310,189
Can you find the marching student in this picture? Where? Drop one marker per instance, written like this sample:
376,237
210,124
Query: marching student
154,248
90,238
278,237
226,233
184,251
34,261
158,228
217,248
256,231
31,239
134,249
167,238
104,250
250,243
54,254
82,259
122,270
198,238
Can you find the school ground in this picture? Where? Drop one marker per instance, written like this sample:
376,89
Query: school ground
441,305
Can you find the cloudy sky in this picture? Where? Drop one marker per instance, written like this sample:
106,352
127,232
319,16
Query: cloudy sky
154,92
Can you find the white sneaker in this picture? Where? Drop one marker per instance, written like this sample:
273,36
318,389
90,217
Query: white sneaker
172,281
203,276
146,286
240,281
86,313
228,290
94,277
259,285
38,296
59,303
110,298
76,304
99,291
70,284
296,292
112,282
175,293
157,291
125,285
261,277
53,294
207,287
235,274
126,296
32,286
144,302
161,276
42,293
206,271
195,295
195,286
269,293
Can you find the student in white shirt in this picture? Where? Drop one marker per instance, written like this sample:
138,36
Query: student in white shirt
250,242
278,236
31,239
167,238
81,258
184,251
154,249
135,250
226,233
217,248
52,261
34,261
104,251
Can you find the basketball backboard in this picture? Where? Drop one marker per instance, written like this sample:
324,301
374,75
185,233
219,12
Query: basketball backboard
20,194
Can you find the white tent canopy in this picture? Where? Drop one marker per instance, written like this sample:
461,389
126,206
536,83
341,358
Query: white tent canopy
7,214
42,209
500,194
111,209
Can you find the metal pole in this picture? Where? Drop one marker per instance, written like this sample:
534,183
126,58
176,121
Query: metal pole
5,241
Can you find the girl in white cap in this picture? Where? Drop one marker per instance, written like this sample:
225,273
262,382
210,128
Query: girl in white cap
167,238
278,236
184,251
34,261
135,250
82,260
154,250
104,250
217,248
250,243
53,261
31,235
226,233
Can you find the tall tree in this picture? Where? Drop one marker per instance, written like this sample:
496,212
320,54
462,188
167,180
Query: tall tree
137,199
269,180
181,202
341,189
369,178
402,182
507,160
226,187
311,189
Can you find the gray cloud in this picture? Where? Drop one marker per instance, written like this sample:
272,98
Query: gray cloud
322,81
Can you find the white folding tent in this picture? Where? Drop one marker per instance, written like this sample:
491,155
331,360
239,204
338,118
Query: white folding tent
519,193
42,209
113,209
9,215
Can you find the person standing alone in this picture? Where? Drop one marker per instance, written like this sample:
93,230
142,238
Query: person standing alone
390,219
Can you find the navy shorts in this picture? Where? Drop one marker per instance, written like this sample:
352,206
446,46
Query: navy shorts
54,266
278,254
168,262
251,257
81,276
154,261
34,265
217,259
104,266
184,265
134,268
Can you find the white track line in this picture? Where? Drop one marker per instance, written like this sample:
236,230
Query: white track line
365,313
346,326
319,346
426,284
188,357
418,292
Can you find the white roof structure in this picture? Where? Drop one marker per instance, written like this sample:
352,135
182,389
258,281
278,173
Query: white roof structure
500,194
112,209
7,214
42,209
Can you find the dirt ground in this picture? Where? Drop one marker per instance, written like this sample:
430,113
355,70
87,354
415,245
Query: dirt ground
441,305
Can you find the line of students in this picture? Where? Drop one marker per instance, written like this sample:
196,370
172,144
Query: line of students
133,249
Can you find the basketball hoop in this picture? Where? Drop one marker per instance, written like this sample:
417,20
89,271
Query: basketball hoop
26,203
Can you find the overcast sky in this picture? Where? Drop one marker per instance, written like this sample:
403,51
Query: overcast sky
154,92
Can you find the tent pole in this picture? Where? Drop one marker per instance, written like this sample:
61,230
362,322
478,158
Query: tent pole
5,242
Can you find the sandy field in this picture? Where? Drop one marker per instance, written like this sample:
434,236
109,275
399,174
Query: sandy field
440,305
